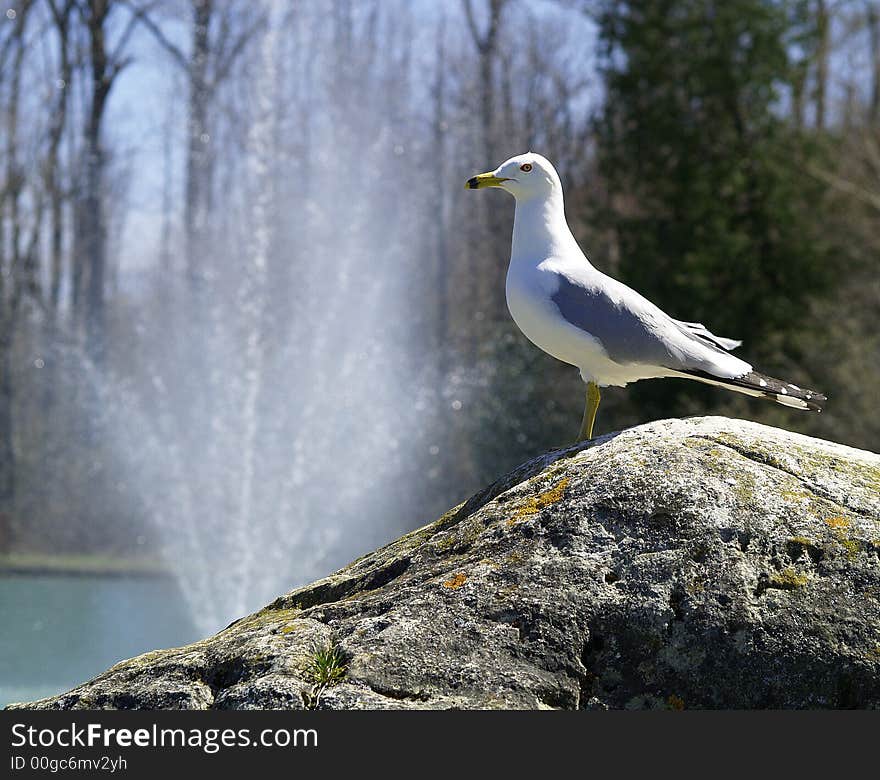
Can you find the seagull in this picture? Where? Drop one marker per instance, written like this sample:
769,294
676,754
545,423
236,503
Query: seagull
589,320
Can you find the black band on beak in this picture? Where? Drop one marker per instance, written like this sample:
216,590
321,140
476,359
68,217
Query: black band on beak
484,180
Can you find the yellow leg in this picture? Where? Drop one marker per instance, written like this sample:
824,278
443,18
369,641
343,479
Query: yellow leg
590,409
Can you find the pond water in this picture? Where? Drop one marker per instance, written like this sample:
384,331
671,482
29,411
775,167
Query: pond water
59,631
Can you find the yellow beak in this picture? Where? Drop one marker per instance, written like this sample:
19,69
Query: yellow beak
484,180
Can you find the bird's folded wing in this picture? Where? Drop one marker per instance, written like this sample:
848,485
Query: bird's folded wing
632,330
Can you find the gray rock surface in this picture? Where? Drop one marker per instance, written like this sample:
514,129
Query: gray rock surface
682,564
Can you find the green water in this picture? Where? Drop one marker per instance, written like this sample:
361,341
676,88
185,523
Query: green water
56,631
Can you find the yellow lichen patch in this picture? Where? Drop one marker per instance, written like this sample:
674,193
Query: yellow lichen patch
266,617
788,579
836,521
839,525
674,702
464,534
535,504
802,540
455,581
851,546
450,540
289,629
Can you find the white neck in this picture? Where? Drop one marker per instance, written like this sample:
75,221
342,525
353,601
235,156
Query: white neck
539,229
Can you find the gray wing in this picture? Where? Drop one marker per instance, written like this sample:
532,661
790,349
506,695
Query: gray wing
631,329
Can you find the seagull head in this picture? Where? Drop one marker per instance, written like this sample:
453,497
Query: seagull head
525,176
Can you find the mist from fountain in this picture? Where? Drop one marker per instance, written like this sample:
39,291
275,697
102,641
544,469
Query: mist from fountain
275,425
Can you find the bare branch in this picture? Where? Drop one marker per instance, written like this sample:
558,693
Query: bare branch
123,40
872,199
225,66
472,24
142,15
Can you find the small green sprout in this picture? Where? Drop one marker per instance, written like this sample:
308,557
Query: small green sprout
326,666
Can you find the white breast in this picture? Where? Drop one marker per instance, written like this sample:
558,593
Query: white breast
530,287
528,298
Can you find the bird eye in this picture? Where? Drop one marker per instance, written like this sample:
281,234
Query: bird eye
525,167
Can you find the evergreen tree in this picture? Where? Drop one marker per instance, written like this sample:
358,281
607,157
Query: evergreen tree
707,196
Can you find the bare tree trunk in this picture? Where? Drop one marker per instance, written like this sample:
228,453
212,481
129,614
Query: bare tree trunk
797,95
198,157
487,47
823,29
441,286
92,227
220,33
873,22
165,259
90,221
11,271
58,121
7,448
487,301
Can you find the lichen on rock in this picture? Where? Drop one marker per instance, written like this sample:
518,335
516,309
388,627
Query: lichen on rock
699,563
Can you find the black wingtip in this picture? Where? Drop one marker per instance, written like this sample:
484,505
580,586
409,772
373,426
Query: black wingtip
783,393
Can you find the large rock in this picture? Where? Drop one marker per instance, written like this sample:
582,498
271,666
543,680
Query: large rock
686,563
